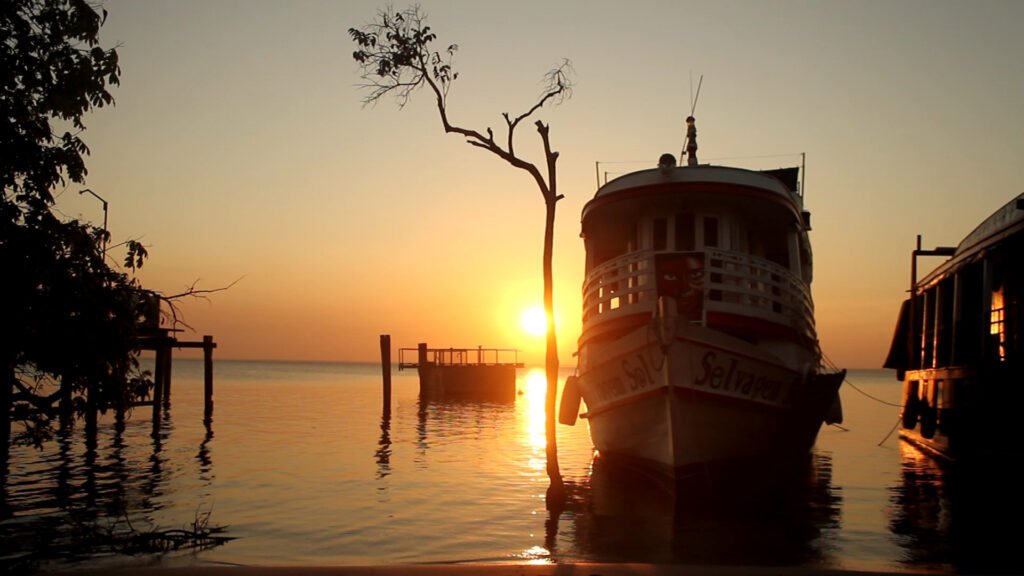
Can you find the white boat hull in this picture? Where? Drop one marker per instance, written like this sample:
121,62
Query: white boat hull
695,396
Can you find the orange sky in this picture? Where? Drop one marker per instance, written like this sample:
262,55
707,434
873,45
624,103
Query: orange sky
239,151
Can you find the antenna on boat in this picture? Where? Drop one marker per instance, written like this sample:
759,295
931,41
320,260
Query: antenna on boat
803,172
690,142
693,100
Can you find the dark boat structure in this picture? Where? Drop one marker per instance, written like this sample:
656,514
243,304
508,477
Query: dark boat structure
957,343
473,374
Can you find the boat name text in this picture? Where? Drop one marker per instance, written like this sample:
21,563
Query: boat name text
732,376
635,375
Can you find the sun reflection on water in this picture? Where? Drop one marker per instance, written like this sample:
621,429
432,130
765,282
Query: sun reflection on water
534,393
536,555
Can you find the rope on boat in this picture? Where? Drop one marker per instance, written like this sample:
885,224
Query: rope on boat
832,365
895,426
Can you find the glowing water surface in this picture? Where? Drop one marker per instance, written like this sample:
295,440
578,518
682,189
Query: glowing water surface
303,469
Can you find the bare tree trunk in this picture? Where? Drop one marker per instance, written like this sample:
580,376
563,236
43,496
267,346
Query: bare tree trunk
398,43
556,490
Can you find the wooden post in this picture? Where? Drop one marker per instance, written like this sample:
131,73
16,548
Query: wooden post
66,407
208,347
158,383
167,378
385,366
119,410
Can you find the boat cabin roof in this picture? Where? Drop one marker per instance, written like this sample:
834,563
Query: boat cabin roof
781,180
1002,224
704,184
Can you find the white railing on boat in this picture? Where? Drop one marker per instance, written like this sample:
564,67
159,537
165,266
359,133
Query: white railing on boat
734,283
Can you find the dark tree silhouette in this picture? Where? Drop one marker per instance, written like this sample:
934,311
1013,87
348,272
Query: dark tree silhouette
396,58
68,320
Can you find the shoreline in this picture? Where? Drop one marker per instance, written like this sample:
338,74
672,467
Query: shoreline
497,569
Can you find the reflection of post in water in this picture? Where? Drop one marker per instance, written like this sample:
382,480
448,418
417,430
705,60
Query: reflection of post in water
576,503
421,425
89,485
203,456
383,453
117,475
155,478
955,516
62,490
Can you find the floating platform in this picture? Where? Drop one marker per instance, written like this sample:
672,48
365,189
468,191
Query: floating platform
482,374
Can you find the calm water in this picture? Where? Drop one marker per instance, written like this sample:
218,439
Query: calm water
302,469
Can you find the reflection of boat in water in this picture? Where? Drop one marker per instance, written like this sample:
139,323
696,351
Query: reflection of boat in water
957,344
699,344
630,515
951,517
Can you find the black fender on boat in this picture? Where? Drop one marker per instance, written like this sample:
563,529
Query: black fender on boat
929,418
911,406
569,409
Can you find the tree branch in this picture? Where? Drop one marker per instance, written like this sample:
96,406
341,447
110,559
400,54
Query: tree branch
396,47
191,291
395,57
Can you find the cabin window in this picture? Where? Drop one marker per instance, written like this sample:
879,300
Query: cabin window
684,231
928,360
774,247
710,232
997,324
944,323
660,240
805,262
917,326
609,243
972,320
778,252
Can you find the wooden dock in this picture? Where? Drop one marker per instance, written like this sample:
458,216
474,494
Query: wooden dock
484,374
162,341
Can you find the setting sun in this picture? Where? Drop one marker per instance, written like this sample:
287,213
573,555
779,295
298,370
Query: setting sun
534,321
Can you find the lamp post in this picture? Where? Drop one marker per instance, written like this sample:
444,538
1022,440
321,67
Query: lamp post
98,197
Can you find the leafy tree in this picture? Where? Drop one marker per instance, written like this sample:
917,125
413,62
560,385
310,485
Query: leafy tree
396,58
68,320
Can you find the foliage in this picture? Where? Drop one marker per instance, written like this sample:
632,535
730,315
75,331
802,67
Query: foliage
80,536
395,55
54,72
69,319
396,58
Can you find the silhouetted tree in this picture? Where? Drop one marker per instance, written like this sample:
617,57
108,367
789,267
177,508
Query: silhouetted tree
396,58
68,320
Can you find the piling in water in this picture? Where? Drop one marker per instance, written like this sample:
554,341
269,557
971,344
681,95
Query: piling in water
385,366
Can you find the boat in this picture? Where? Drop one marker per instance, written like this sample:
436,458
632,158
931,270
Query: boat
957,343
698,344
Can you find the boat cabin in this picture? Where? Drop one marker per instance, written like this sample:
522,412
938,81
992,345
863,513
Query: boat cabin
729,246
957,347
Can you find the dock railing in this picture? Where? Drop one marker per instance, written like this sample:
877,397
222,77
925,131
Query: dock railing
479,356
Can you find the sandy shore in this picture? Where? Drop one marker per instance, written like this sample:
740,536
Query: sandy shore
582,569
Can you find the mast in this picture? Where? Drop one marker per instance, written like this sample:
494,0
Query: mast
691,130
